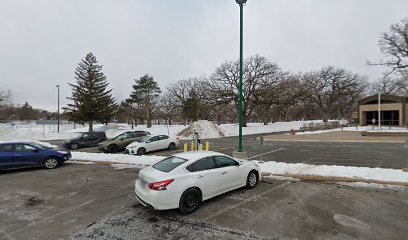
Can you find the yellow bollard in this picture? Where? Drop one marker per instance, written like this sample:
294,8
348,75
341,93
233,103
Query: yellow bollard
207,146
192,146
200,147
185,147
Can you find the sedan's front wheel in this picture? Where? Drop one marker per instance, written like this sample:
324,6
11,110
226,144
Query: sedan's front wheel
190,200
141,151
50,163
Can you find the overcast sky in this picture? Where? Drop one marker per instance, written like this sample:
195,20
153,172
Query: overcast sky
42,41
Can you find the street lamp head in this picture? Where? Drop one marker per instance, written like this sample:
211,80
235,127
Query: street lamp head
240,2
57,86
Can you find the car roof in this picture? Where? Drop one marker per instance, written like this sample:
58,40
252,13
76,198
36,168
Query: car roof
195,155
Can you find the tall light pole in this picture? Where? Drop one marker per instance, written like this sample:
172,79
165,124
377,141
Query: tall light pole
58,111
379,111
241,4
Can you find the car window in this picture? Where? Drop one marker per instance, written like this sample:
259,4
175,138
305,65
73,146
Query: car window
6,148
162,137
85,135
143,139
23,148
168,164
38,145
154,139
201,165
223,161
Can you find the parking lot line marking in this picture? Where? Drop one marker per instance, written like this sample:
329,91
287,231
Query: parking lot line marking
245,201
280,149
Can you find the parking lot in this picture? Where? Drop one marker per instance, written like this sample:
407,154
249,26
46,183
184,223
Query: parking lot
96,202
281,148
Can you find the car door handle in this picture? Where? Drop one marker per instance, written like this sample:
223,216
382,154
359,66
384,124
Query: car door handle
224,172
199,176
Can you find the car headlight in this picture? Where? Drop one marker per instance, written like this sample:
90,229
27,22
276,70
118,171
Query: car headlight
63,152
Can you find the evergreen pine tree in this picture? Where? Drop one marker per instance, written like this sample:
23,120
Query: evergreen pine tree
91,100
144,90
191,106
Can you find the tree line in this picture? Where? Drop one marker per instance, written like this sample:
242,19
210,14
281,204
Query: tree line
269,92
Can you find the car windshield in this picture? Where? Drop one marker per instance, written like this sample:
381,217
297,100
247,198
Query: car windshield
40,145
123,135
144,139
168,164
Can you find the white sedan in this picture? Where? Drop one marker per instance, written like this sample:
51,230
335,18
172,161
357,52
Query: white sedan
152,143
186,179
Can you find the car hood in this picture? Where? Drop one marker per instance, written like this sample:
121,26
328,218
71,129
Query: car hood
134,144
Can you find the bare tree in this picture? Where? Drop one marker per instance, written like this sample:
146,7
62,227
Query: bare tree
333,91
258,71
394,45
389,86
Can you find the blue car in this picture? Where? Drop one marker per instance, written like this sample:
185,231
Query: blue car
30,154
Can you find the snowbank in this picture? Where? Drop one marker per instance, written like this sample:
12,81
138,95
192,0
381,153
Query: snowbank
358,173
116,158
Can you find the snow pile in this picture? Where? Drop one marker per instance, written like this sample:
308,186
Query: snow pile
358,173
204,128
116,158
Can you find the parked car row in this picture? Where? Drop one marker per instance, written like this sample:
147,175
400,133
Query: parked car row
132,142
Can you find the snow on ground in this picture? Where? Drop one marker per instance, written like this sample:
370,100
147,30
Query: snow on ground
256,128
274,168
362,173
354,129
32,131
116,158
206,129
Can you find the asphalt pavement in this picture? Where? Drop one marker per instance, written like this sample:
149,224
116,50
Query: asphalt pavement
78,201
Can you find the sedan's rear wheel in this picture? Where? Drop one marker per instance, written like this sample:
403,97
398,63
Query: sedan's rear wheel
50,163
172,146
141,151
252,179
190,200
73,146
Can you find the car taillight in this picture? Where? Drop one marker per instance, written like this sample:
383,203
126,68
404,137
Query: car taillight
177,138
160,186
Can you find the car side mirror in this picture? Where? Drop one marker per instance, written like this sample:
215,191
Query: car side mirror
36,150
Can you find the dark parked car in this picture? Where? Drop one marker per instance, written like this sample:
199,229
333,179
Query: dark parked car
30,154
87,139
120,142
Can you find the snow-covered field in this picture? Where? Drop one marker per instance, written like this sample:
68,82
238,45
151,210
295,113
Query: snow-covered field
40,132
273,168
